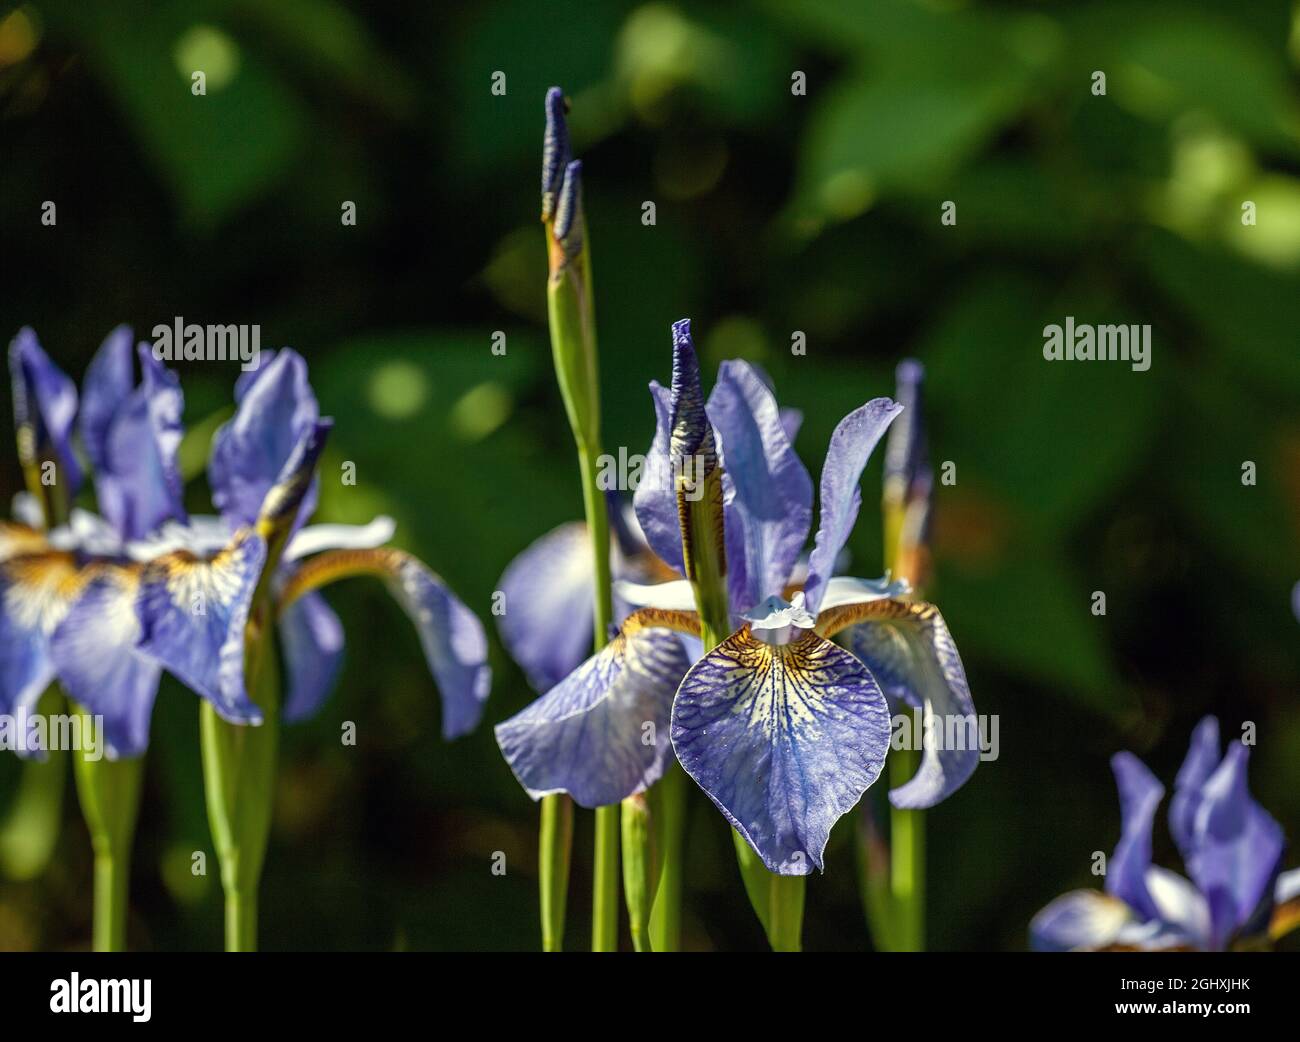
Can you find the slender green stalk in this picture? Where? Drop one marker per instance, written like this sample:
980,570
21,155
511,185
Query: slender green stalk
239,764
907,861
873,879
668,807
109,791
554,846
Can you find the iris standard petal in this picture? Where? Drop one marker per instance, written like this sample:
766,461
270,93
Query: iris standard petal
655,497
547,621
784,739
773,490
601,733
192,615
137,481
1201,760
1140,793
1082,920
105,388
275,411
850,448
95,655
45,409
1235,850
36,591
454,644
311,637
909,650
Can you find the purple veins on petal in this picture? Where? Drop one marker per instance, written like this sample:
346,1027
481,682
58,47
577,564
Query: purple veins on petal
783,739
601,733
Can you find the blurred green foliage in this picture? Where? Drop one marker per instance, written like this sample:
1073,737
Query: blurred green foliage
776,212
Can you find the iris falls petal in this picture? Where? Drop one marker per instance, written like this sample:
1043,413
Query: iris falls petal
99,665
784,739
907,646
1082,920
36,591
601,733
452,638
193,613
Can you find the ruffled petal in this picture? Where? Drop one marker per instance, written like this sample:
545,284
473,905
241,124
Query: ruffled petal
1235,850
773,492
94,652
850,448
454,644
36,591
311,636
907,647
276,410
1082,920
547,623
784,739
599,734
45,409
1140,793
192,614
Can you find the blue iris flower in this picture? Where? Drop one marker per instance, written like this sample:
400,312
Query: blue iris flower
107,602
1231,847
781,727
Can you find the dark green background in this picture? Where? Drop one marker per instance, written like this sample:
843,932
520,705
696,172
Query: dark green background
775,213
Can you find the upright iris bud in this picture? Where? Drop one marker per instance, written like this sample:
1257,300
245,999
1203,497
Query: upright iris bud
45,409
908,481
572,316
697,482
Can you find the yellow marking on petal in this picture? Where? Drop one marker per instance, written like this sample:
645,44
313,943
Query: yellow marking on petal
41,588
1286,917
662,619
333,565
842,616
16,539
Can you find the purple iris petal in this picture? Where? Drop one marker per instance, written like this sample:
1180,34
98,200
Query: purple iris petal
454,644
1235,850
547,624
599,734
34,597
784,739
45,406
94,651
137,481
107,385
850,448
276,410
1082,920
192,615
791,422
311,637
1202,758
913,657
773,490
655,498
1140,793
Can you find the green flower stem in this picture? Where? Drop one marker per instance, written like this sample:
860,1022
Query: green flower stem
873,879
668,810
907,860
239,764
31,826
109,791
554,846
639,867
